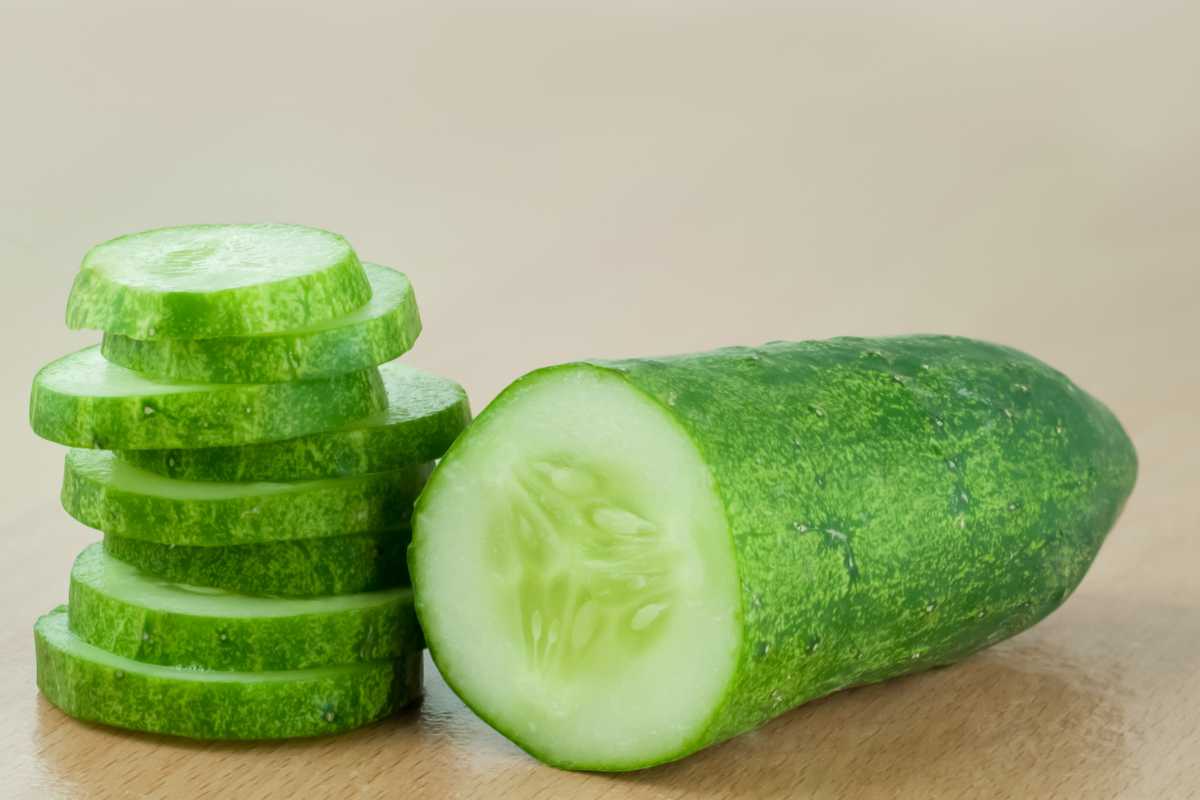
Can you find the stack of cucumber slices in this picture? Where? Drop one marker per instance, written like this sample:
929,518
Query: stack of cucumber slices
251,451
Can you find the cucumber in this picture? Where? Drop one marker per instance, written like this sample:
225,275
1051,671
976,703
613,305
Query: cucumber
94,685
380,331
620,563
127,612
82,400
209,281
424,415
297,568
104,493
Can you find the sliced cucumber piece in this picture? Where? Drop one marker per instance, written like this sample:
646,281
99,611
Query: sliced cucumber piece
295,568
82,400
620,563
207,281
130,613
94,685
383,329
424,415
118,498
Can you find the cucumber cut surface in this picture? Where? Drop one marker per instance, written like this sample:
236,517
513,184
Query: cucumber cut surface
574,544
362,562
83,400
380,331
92,684
424,414
206,281
105,493
663,553
118,608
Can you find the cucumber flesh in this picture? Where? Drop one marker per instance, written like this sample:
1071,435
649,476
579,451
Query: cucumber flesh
574,574
118,608
424,414
206,281
293,568
83,400
105,493
92,684
380,331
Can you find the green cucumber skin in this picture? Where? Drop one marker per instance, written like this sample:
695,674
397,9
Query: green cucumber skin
241,644
296,568
359,504
227,415
894,504
425,414
274,357
353,696
98,303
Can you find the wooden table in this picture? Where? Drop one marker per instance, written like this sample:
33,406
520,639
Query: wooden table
621,183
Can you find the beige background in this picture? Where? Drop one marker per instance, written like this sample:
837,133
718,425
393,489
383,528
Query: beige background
634,179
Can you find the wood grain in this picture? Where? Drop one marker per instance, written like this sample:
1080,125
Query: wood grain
667,180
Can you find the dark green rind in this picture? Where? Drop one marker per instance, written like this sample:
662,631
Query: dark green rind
973,485
424,415
120,499
216,705
98,302
311,636
157,415
381,331
297,568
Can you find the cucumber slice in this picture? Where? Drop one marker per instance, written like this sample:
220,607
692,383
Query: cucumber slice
118,608
94,685
296,568
620,563
82,400
383,329
424,415
207,281
105,493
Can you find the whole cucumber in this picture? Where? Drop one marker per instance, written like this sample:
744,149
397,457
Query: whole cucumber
622,562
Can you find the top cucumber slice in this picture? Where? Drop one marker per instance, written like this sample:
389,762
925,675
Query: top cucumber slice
130,613
425,413
207,281
383,329
620,563
82,400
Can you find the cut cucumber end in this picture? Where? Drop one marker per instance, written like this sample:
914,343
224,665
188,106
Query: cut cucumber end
602,623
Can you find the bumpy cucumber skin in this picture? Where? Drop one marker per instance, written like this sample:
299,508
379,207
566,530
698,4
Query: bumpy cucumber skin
99,303
309,509
209,417
894,504
352,696
425,414
296,568
276,357
238,643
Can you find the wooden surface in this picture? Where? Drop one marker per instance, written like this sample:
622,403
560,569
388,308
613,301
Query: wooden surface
637,182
